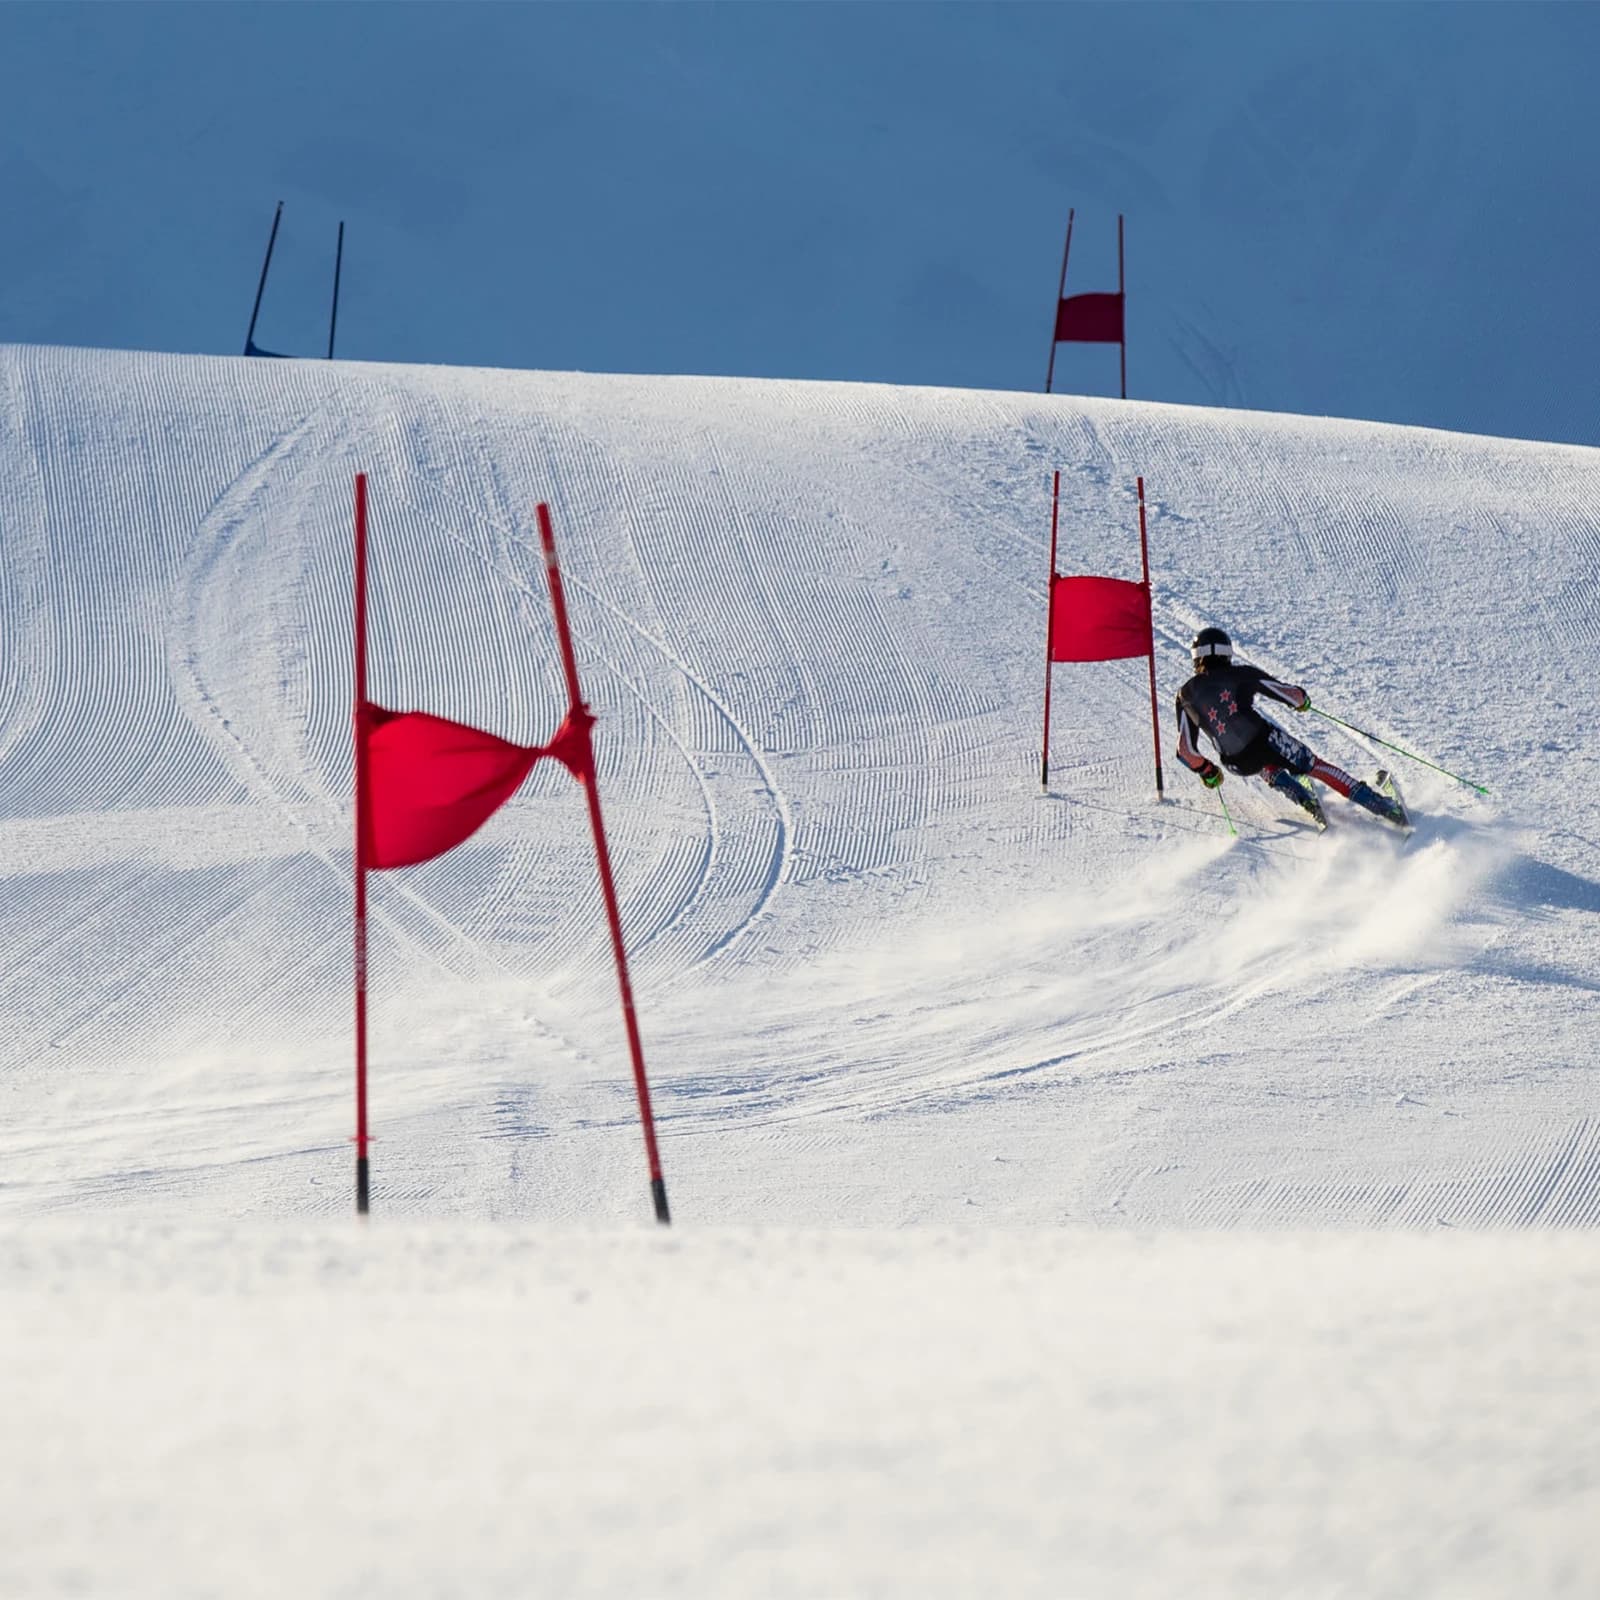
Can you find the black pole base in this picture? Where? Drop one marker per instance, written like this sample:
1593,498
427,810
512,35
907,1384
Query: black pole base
658,1193
1044,773
361,1186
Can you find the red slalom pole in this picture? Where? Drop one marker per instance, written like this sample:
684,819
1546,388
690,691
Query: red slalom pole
1049,624
1055,310
361,853
583,720
1155,719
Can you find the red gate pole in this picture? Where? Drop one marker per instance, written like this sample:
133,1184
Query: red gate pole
1155,720
1055,310
1122,298
583,721
361,854
1049,624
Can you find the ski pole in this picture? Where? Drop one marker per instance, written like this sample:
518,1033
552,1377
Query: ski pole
1399,749
1225,816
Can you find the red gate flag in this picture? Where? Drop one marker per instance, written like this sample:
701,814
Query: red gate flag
432,783
1099,619
1098,318
1090,319
424,784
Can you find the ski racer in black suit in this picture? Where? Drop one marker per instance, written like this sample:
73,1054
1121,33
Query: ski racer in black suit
1219,700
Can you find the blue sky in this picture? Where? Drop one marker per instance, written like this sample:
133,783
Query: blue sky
1383,211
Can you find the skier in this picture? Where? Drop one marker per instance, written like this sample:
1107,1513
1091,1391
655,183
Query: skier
1220,700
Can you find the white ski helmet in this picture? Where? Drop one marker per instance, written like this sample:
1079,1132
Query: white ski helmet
1211,644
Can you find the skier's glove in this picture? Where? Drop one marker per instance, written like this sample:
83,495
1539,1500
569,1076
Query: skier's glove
1305,705
1212,776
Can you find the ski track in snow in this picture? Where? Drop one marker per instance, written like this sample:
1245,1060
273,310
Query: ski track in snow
810,617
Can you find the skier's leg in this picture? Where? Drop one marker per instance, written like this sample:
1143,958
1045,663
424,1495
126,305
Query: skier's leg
1355,791
1285,782
1336,778
1305,762
1288,752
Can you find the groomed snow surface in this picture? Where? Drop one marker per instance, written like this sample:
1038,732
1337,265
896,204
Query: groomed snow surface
466,1411
1072,1198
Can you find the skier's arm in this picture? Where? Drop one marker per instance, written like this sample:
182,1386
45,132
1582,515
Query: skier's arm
1188,749
1290,694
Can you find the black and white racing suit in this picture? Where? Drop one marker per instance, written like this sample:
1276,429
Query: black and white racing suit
1221,703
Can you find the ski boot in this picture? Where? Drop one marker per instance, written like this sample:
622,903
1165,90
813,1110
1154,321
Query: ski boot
1382,799
1291,788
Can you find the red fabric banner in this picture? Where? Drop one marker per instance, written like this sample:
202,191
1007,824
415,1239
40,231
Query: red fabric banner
1090,319
433,783
1099,619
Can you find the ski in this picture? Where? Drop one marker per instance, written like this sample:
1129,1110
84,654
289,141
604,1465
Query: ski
1386,786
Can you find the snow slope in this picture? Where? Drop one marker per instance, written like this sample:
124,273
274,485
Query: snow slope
882,977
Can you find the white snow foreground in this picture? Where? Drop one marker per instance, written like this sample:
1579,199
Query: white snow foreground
882,980
424,1411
